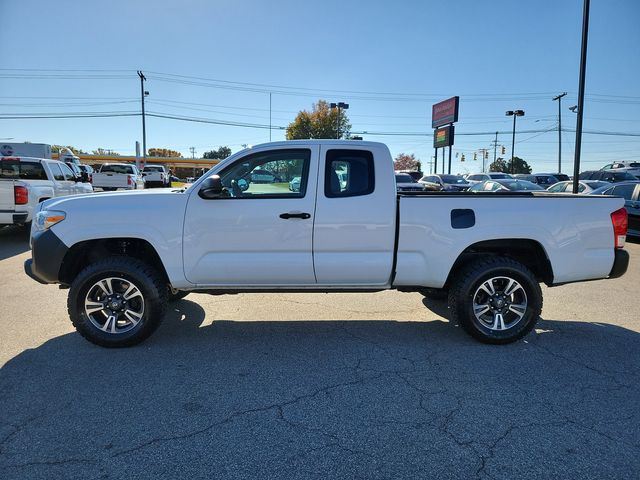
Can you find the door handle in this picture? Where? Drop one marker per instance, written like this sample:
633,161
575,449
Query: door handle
303,216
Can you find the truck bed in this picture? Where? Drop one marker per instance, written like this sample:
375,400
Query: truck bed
576,233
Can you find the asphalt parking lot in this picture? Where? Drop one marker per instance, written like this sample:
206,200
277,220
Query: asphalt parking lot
320,386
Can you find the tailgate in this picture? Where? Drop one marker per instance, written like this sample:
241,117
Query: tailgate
7,201
110,180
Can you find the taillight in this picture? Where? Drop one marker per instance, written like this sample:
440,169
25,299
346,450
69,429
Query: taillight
90,178
21,195
129,181
620,224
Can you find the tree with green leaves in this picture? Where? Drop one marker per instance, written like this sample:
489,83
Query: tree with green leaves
220,154
406,162
104,151
321,122
502,165
163,152
58,148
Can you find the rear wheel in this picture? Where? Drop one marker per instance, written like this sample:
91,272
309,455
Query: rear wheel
117,302
496,300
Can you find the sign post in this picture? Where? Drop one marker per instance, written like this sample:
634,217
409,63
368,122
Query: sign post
444,113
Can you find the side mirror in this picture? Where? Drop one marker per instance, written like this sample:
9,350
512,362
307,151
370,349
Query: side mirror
212,188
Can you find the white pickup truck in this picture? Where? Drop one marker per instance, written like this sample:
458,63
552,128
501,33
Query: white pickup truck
156,176
25,182
226,234
113,176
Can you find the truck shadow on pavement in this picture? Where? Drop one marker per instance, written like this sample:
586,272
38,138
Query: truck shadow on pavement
325,399
13,241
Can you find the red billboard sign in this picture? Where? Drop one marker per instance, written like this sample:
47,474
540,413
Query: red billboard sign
445,112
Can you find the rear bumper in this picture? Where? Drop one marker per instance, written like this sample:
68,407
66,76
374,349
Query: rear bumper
14,218
47,254
620,263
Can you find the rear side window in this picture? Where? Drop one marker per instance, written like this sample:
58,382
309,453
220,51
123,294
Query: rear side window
624,191
348,173
67,171
117,169
57,173
22,170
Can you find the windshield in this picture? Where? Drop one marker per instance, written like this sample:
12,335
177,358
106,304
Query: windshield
403,178
22,170
452,179
500,175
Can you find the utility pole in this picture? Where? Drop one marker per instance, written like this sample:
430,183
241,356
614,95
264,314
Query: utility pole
269,116
559,99
485,153
495,147
515,114
430,162
583,69
143,94
193,152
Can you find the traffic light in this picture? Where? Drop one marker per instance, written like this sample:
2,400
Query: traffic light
486,155
462,158
503,150
475,156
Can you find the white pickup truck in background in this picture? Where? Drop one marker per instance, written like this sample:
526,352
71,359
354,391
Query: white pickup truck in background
113,176
25,182
487,251
156,176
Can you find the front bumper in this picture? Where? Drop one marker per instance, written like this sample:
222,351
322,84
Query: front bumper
620,263
47,254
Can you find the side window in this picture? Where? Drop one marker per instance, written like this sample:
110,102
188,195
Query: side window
581,187
558,187
69,175
348,173
608,166
625,191
57,173
273,174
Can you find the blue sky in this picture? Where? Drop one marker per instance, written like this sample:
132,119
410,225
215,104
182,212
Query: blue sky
404,56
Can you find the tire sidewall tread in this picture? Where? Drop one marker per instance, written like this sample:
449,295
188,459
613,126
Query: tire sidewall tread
147,280
463,289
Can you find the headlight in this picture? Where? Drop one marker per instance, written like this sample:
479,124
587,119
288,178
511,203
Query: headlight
48,218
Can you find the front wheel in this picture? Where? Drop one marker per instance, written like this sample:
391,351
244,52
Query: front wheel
496,300
117,302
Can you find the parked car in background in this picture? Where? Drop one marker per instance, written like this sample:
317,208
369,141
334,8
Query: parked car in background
262,176
473,178
505,185
25,182
630,191
415,174
88,171
156,176
611,176
404,183
442,182
294,184
584,186
543,179
113,176
626,166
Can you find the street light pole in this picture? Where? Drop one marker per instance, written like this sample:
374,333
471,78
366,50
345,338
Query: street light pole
514,113
339,105
559,99
144,130
583,68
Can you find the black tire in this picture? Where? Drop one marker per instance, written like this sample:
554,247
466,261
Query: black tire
145,279
494,326
175,295
434,293
109,189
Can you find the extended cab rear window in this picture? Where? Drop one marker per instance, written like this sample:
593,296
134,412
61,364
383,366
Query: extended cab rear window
348,173
116,169
17,170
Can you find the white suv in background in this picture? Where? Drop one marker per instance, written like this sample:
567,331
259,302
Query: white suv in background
481,177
